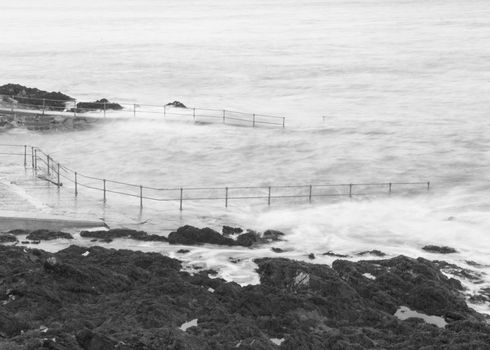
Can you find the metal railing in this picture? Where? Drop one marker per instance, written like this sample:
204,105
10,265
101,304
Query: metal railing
47,168
15,104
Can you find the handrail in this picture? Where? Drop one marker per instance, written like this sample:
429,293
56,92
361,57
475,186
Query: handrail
53,168
70,107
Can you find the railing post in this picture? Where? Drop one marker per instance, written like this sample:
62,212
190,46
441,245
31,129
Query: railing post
58,175
269,197
47,157
350,190
105,197
25,156
309,196
283,122
32,157
141,197
104,108
194,113
35,160
76,184
181,195
253,121
428,186
224,116
389,188
226,197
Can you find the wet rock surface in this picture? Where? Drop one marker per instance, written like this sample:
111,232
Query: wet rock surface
97,298
109,235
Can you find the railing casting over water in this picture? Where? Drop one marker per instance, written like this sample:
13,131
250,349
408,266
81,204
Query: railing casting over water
45,167
48,107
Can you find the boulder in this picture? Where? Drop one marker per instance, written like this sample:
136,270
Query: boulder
190,235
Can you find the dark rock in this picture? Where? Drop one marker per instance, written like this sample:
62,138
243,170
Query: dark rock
439,249
176,104
272,235
190,235
247,239
46,235
228,230
93,341
374,252
7,238
311,256
183,251
17,232
329,253
108,236
35,98
277,250
98,105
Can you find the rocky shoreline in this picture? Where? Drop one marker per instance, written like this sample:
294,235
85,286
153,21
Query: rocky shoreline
97,298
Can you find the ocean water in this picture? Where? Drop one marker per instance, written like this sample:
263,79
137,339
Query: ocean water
403,86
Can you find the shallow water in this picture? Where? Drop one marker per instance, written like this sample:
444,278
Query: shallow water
404,86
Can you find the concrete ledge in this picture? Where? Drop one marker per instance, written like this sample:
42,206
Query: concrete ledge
11,221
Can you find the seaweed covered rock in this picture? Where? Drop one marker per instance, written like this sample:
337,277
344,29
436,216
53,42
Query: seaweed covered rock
97,298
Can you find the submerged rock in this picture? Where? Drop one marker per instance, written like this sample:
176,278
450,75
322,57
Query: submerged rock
439,249
374,252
